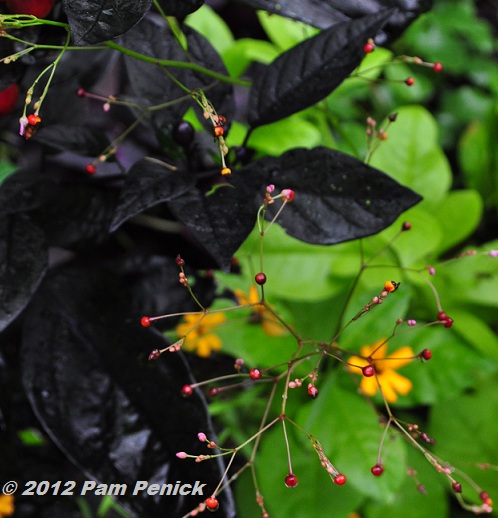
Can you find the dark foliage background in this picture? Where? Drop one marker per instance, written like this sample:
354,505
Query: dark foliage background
78,268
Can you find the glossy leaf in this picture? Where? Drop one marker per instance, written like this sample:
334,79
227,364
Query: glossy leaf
325,13
116,415
149,82
211,218
23,263
94,21
147,184
337,197
308,72
86,140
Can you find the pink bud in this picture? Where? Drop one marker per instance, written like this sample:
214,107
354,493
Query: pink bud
181,455
202,437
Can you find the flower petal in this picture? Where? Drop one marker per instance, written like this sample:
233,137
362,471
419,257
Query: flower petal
387,387
399,358
400,383
369,386
356,363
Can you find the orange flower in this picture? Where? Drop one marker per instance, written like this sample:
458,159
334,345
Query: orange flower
270,324
6,505
385,367
197,328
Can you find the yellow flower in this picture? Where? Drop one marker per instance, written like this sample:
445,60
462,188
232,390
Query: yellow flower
6,505
197,330
386,377
270,324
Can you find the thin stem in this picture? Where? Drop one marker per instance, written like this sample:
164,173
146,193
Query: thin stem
177,64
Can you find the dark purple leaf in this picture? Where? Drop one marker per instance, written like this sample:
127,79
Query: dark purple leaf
337,197
23,263
180,8
153,38
25,190
80,214
325,13
94,21
117,416
308,72
147,184
221,221
86,140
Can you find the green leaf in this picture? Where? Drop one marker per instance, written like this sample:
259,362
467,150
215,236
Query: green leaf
408,501
245,51
284,32
459,215
477,333
465,433
350,434
413,157
315,495
454,366
207,22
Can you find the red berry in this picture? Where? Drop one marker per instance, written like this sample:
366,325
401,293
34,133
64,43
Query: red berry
340,479
255,374
410,81
8,98
179,260
426,354
291,480
90,168
368,371
38,8
187,390
218,131
312,391
81,92
213,391
377,470
483,495
457,487
448,322
145,321
369,47
33,119
437,67
260,278
212,503
441,315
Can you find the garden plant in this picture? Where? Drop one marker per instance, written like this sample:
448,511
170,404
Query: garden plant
249,246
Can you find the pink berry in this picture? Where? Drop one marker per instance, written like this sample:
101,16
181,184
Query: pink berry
441,315
255,374
437,67
368,371
187,390
260,278
457,487
406,226
484,495
154,355
340,479
377,470
369,47
312,391
291,480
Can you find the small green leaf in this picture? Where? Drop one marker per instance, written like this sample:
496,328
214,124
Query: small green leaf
413,156
459,215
